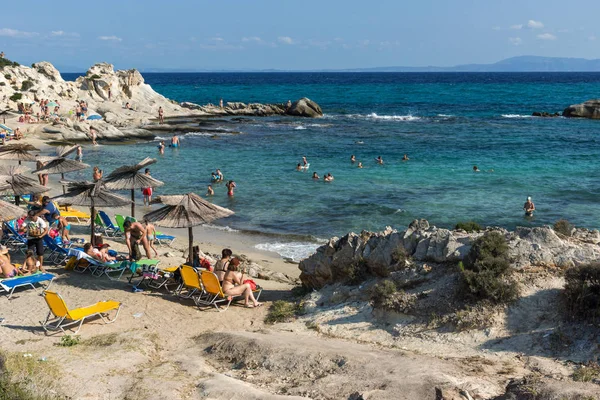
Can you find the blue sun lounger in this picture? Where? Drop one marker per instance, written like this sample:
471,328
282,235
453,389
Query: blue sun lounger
10,284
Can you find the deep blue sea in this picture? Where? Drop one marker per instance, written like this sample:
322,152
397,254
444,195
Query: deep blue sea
445,122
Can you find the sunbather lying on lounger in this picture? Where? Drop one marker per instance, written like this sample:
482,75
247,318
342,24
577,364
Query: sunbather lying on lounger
233,284
6,267
92,252
107,258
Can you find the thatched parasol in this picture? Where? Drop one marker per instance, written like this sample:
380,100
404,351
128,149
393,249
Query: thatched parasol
61,166
12,182
92,195
186,211
18,151
128,178
9,212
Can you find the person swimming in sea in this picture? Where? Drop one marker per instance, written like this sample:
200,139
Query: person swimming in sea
299,167
475,169
161,147
315,176
304,162
352,158
230,186
379,160
405,158
529,207
175,141
328,178
210,191
220,175
360,165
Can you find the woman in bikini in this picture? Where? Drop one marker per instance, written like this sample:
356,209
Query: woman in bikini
230,185
233,286
222,264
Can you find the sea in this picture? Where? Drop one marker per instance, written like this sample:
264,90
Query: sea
445,122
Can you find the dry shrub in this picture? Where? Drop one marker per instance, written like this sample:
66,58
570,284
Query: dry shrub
469,226
582,291
386,295
564,227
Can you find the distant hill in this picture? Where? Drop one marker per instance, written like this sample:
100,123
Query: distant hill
513,64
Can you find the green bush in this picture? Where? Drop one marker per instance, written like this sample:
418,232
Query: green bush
563,227
382,294
5,62
69,341
2,83
587,372
281,311
485,271
7,76
469,226
399,256
16,97
582,291
353,274
26,85
94,77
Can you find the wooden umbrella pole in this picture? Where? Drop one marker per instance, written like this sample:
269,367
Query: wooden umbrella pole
93,213
191,244
132,203
63,186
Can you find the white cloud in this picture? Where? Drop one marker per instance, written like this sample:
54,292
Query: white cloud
364,43
515,40
254,39
57,33
16,33
111,38
217,39
535,24
63,33
546,36
517,26
496,28
592,38
285,40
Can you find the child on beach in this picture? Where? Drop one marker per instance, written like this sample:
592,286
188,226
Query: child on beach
30,264
151,234
147,192
210,191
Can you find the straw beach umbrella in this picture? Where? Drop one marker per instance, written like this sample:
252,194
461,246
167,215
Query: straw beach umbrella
10,211
13,182
186,211
92,195
61,165
18,151
128,177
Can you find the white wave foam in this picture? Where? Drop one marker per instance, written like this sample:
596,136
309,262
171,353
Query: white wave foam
159,138
445,115
300,128
394,117
399,211
293,250
207,134
515,116
220,228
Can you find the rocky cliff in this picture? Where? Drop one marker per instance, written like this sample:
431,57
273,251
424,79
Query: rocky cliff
589,109
381,251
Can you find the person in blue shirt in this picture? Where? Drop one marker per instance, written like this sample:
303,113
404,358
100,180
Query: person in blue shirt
49,210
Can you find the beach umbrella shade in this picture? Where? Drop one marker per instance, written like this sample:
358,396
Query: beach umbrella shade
13,182
128,177
52,104
60,165
9,211
186,211
18,151
94,117
92,195
6,128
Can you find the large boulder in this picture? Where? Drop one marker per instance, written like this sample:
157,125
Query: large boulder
305,108
590,109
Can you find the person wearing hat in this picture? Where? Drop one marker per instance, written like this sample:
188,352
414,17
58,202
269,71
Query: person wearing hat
36,229
7,269
529,207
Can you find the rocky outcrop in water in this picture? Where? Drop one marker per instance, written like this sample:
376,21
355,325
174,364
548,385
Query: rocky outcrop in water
380,251
301,108
589,109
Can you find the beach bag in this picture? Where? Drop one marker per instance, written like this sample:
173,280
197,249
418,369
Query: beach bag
253,285
71,263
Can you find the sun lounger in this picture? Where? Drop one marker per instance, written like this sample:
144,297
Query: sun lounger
76,215
138,268
214,292
63,317
10,284
58,251
191,283
164,239
109,228
96,267
14,238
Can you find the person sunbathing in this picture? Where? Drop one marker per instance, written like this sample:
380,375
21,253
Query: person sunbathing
92,252
7,269
233,286
31,264
107,258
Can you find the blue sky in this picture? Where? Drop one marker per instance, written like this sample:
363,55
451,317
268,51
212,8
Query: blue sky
282,34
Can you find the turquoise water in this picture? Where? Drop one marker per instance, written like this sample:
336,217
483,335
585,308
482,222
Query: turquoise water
446,123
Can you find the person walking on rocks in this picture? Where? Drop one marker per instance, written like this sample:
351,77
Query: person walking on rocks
161,116
93,134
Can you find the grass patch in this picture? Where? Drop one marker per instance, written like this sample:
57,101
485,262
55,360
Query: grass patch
281,311
485,272
479,316
94,77
582,291
16,97
69,341
588,372
564,227
469,226
27,378
387,296
104,340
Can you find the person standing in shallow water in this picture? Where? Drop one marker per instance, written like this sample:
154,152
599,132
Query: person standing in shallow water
529,207
230,186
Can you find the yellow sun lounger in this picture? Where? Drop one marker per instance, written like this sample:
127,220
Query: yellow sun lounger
75,215
63,317
214,292
191,283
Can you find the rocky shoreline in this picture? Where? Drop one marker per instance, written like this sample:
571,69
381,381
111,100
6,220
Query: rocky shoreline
106,93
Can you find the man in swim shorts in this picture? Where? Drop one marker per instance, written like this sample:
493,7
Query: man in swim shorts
135,233
529,207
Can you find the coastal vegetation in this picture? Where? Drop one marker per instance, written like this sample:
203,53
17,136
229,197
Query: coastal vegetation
24,377
16,97
469,226
485,271
281,311
5,62
26,85
582,291
563,227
